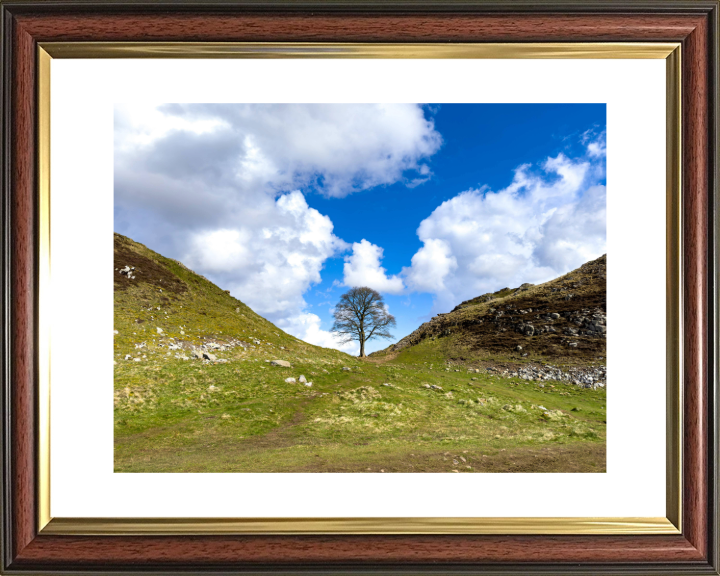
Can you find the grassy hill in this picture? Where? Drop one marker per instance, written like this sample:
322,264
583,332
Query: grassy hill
196,390
563,320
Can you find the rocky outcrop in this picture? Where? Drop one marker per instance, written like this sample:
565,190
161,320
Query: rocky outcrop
586,377
565,315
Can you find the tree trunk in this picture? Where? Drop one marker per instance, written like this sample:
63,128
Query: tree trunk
362,348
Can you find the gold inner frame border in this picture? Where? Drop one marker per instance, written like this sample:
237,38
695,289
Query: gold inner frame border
671,524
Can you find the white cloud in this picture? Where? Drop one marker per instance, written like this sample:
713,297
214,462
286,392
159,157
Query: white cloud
430,266
218,187
306,326
271,257
596,143
337,149
362,268
550,219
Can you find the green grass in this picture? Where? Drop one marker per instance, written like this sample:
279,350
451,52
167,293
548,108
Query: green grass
175,415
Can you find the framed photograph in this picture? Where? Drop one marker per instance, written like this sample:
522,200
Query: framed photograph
296,287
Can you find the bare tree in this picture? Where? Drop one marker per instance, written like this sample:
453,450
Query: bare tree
361,315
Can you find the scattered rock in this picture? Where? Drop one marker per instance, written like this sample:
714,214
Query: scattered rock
128,271
346,369
282,363
290,380
302,379
518,348
159,330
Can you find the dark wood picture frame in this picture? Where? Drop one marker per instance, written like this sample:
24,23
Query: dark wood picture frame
693,23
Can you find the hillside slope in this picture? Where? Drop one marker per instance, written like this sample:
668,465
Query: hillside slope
204,384
162,308
563,319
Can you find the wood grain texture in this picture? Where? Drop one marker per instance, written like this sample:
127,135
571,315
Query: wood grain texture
22,262
224,551
662,554
359,28
696,187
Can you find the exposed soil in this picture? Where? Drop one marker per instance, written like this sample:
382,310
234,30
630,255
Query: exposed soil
384,359
146,270
280,437
489,336
590,458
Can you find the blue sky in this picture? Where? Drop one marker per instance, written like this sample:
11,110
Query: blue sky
288,205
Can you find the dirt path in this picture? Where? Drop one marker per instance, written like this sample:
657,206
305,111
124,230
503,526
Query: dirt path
589,458
279,437
381,359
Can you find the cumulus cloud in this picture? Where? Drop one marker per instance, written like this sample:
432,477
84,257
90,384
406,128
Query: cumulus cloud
337,149
362,268
308,325
548,220
596,143
430,266
273,264
222,188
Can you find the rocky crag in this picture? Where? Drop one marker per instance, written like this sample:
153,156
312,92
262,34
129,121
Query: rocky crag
562,318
